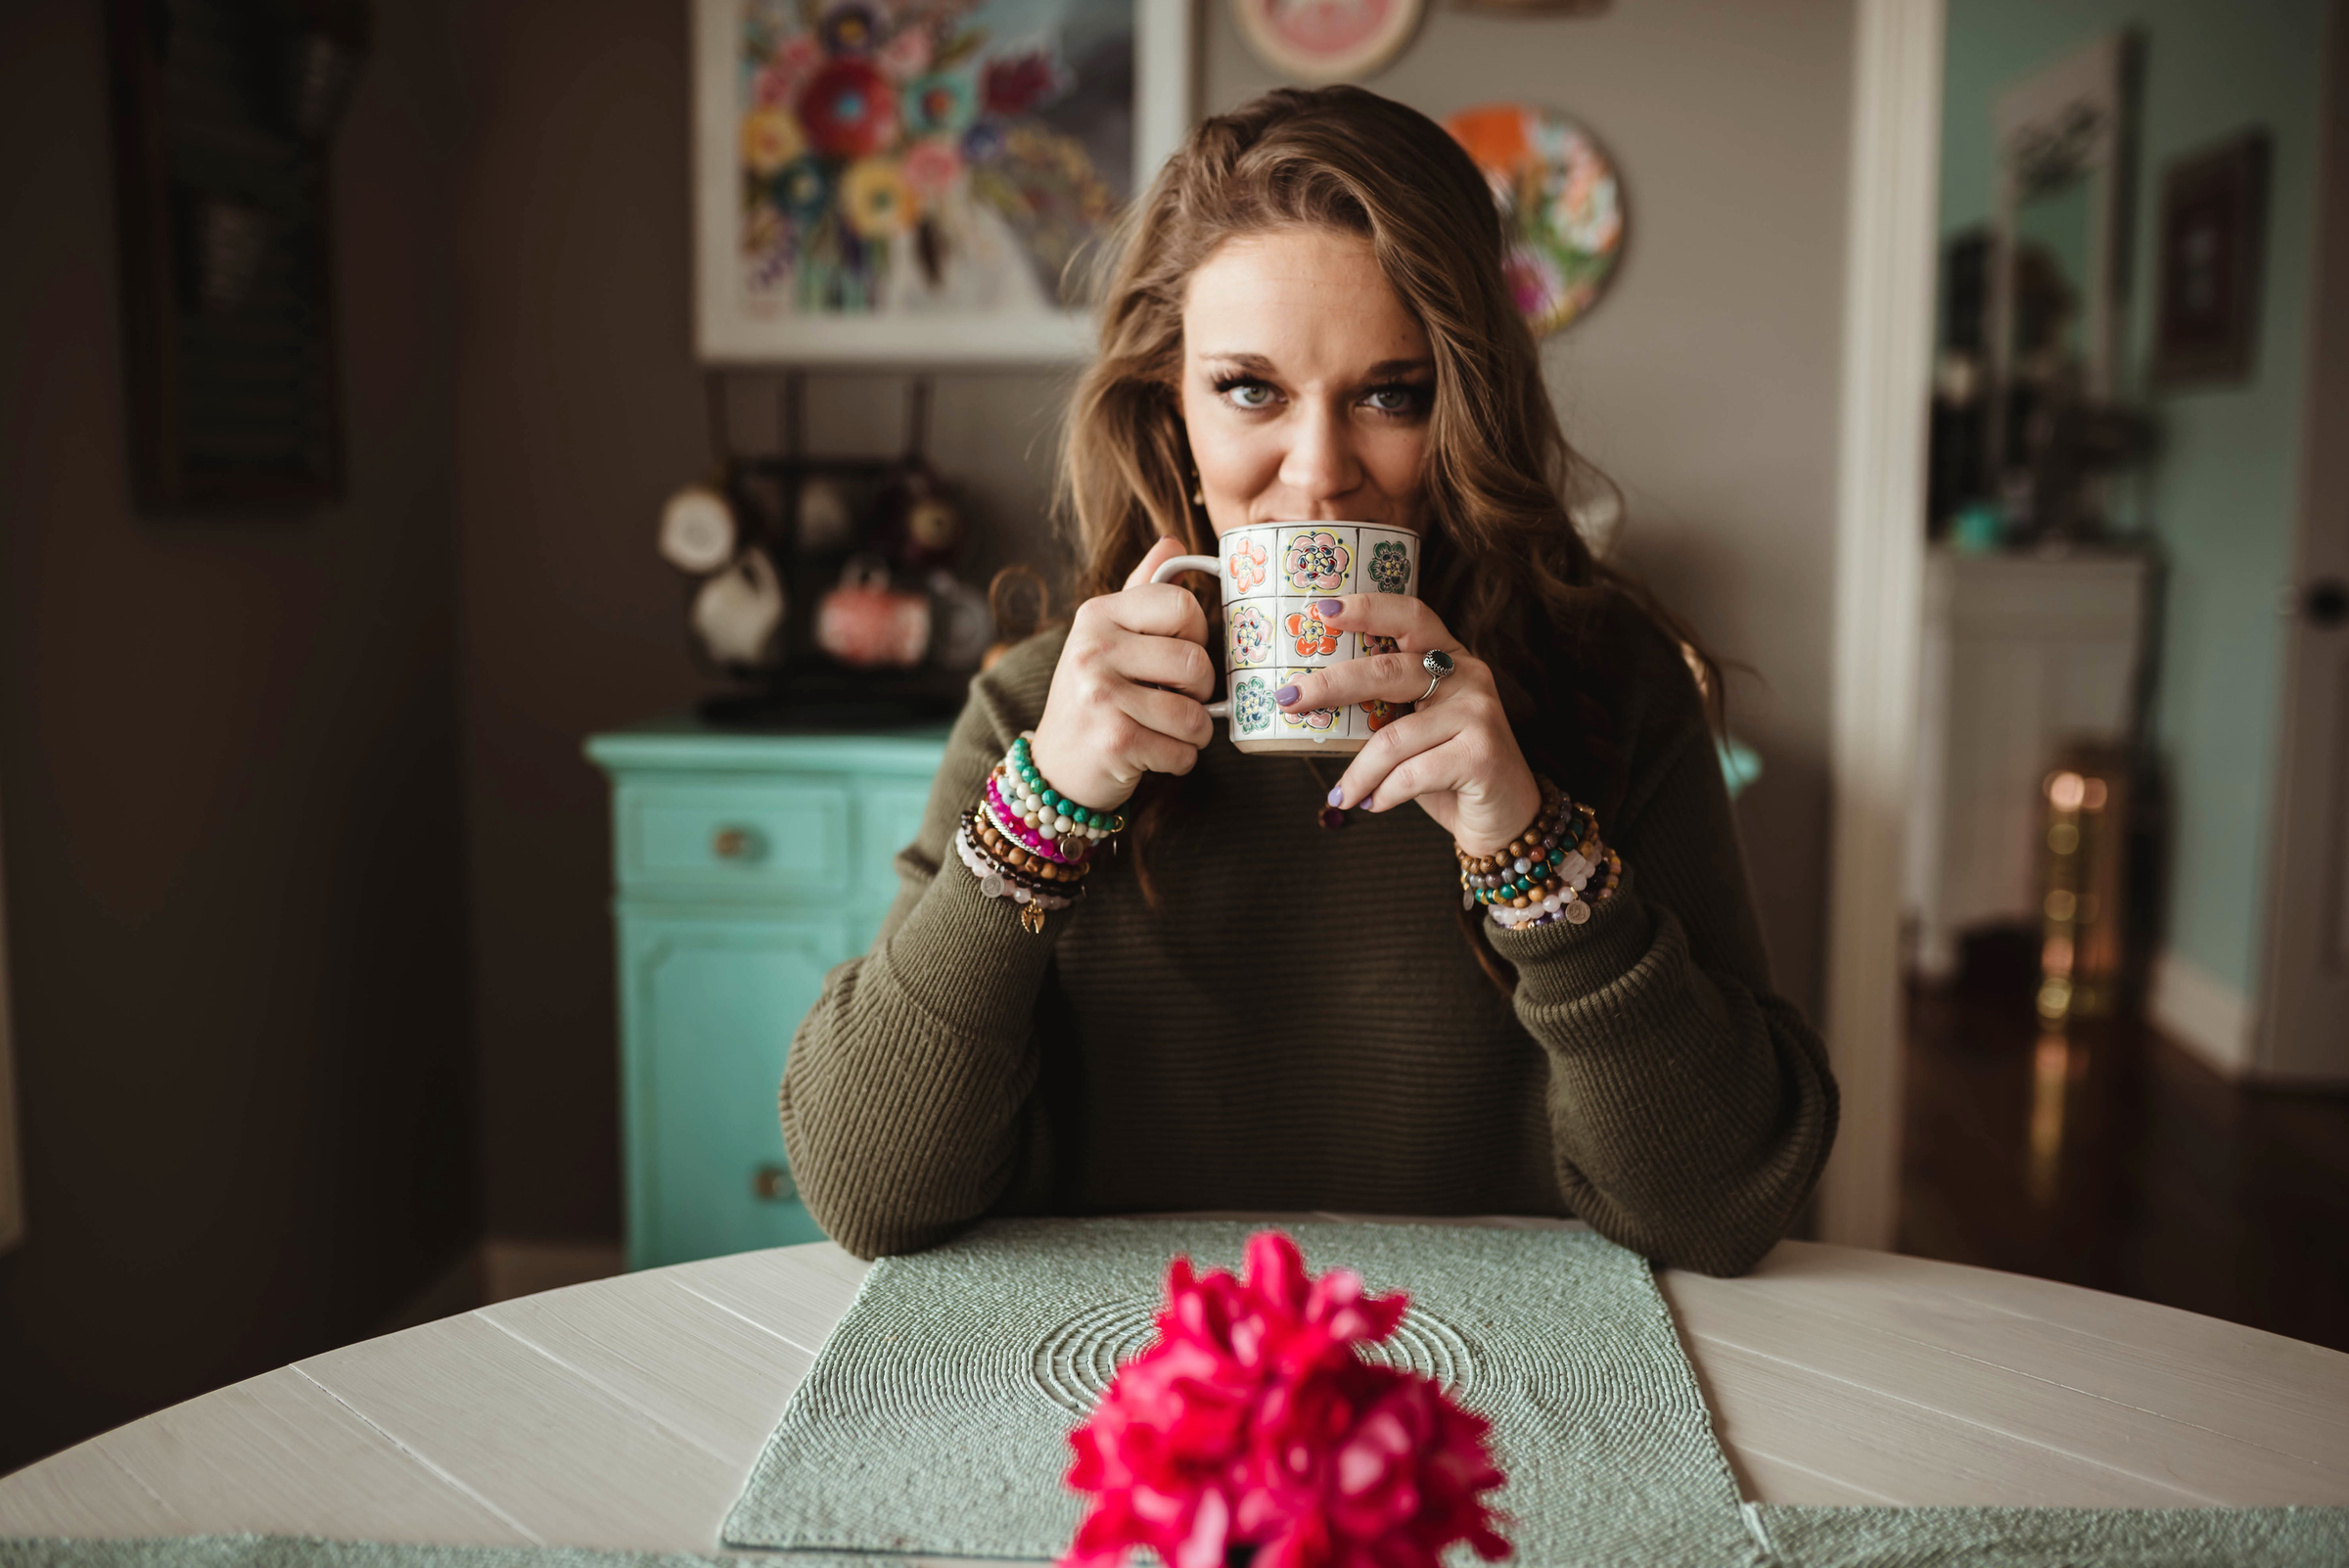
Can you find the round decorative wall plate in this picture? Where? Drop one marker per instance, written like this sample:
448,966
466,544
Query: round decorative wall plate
1561,200
1328,40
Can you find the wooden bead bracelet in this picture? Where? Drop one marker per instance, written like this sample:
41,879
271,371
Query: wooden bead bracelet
993,882
1544,873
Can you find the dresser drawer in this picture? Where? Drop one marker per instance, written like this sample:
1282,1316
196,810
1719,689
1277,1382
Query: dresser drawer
748,865
784,836
709,1006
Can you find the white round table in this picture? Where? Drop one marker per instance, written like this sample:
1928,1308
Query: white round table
626,1412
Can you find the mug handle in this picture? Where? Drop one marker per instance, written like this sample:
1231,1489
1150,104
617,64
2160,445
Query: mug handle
1187,562
1195,562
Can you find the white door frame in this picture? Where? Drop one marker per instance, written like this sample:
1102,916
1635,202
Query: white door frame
1889,260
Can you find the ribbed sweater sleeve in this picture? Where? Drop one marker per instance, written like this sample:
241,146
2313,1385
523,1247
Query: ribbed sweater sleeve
907,1099
1691,1109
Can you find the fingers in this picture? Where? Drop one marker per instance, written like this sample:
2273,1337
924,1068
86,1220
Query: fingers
1166,549
1155,752
1174,663
1395,677
1406,759
1167,715
1414,627
1103,654
1153,609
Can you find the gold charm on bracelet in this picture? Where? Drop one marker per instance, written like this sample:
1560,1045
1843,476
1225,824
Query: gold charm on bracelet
1032,915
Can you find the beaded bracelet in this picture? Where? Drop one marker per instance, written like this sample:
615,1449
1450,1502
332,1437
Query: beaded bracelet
1544,873
1020,791
1015,857
1027,842
1528,860
1571,904
996,883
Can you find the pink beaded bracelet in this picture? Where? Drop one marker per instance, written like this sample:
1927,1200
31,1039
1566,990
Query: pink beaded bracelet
1007,822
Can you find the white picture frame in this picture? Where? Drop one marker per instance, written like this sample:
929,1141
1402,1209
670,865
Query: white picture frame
730,331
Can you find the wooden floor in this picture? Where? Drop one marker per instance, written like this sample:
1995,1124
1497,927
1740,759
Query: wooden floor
2111,1158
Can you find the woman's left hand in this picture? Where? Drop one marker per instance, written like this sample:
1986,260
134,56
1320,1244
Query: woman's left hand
1455,756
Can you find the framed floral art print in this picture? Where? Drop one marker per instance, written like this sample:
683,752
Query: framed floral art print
906,181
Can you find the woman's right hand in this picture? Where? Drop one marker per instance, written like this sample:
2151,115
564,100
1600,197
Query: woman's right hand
1130,694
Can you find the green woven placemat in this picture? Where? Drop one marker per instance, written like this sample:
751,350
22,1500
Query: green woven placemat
2041,1538
936,1417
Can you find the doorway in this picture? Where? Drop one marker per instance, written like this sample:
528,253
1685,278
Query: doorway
2122,936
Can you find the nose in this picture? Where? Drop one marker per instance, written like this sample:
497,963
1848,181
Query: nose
1320,463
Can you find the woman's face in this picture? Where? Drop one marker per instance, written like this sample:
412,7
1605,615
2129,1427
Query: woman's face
1305,384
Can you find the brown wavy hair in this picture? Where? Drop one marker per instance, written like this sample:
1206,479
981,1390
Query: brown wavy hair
1500,558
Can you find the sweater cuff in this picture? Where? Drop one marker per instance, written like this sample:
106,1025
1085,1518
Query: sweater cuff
966,961
1559,963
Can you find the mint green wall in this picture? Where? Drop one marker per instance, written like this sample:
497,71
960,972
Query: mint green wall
2223,494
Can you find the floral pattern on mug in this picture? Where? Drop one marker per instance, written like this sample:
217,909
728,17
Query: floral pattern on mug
1316,561
1311,718
1252,704
1246,566
1250,637
1390,566
1373,643
1312,634
1380,713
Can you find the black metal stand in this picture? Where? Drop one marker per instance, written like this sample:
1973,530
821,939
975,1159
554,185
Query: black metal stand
765,487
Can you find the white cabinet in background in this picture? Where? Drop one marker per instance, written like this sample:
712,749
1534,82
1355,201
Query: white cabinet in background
2021,654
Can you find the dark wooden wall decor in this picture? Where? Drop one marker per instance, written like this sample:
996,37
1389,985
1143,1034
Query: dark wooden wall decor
2212,245
223,111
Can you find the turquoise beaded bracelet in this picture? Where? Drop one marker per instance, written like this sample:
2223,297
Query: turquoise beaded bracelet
1093,824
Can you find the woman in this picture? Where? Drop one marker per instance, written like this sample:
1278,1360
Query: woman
1244,1009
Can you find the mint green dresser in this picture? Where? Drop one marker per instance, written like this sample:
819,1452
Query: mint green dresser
748,863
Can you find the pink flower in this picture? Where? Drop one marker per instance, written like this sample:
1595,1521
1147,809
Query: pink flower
796,59
1316,560
1247,564
906,54
1252,1422
932,166
1533,280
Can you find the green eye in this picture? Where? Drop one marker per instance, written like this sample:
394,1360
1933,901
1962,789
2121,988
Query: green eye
1249,395
1395,399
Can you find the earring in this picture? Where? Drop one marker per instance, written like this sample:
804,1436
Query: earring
1198,497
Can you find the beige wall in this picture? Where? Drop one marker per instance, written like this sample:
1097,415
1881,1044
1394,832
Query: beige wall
1705,383
578,409
228,751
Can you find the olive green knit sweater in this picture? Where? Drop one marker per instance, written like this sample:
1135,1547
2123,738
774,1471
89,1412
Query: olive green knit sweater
1299,1024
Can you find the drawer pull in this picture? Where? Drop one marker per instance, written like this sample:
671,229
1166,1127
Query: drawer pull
773,1184
737,843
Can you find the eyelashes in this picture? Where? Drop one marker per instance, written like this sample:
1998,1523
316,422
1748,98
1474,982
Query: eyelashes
1228,386
1404,400
1416,398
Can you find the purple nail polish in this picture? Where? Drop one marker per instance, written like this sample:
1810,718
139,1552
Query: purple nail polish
1337,795
1328,607
1285,696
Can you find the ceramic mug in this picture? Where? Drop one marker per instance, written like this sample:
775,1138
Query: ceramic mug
1271,574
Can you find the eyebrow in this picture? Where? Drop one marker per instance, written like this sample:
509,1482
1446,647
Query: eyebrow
1259,365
